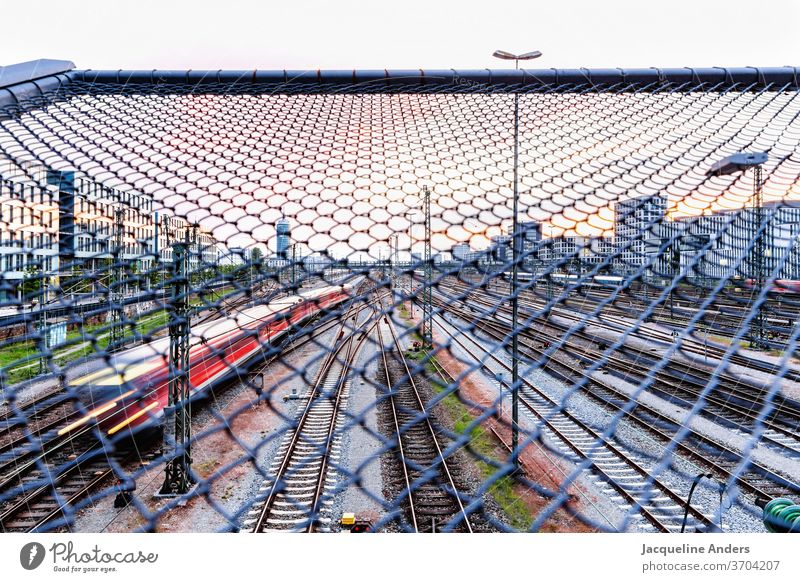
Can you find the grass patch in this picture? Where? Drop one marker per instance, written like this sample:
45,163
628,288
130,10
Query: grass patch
727,340
504,490
206,468
13,358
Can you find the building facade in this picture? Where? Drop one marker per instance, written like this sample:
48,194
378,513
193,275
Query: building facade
64,226
638,232
718,245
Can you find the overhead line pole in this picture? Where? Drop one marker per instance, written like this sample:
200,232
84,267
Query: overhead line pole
177,446
117,295
427,292
758,338
733,164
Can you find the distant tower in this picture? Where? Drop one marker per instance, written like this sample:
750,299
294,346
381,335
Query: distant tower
284,231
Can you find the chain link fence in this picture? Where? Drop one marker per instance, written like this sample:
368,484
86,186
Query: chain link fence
340,301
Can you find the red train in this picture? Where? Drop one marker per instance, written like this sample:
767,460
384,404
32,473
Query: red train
779,285
130,393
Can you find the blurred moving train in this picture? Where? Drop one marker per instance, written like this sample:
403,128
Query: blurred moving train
556,278
568,279
778,285
132,390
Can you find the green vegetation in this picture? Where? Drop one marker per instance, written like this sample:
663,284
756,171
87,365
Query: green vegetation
32,282
18,368
727,340
206,468
503,491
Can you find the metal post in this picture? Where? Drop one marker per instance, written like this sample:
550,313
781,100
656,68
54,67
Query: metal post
178,479
43,328
118,269
515,251
194,249
675,267
427,292
410,264
294,265
280,279
392,259
758,330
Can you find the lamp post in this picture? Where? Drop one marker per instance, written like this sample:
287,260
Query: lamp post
515,254
731,165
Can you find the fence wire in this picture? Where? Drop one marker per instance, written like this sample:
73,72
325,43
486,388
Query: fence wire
285,309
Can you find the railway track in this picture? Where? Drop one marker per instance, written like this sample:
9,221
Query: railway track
298,484
689,344
36,418
615,470
447,378
39,486
724,317
759,481
431,499
736,402
39,479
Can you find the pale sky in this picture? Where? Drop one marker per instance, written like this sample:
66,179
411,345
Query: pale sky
308,34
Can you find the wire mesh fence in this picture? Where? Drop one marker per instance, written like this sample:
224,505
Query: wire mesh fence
312,306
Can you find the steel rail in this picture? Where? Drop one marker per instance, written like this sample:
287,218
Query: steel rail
346,367
32,496
730,383
55,444
688,344
325,369
400,447
599,439
428,424
499,334
448,378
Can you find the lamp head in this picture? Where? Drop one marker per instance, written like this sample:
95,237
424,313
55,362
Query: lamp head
507,56
737,163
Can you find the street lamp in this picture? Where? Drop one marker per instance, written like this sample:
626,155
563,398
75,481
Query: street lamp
515,254
507,56
741,162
